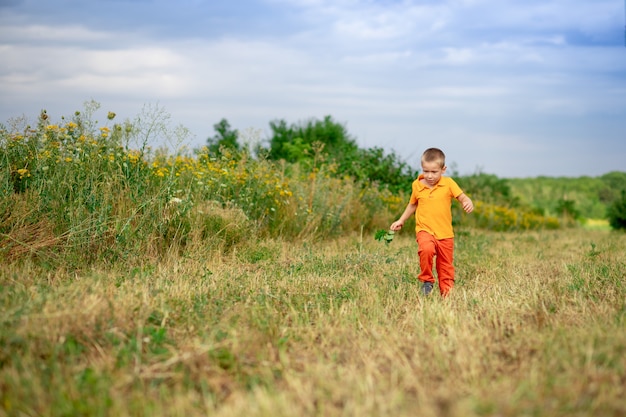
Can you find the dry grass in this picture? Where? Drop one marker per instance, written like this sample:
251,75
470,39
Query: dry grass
21,236
534,327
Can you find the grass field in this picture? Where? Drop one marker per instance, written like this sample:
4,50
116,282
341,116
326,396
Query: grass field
535,327
597,224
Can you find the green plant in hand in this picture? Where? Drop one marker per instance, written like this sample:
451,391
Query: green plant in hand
384,235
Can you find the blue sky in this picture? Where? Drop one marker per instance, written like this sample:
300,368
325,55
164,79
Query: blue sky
511,88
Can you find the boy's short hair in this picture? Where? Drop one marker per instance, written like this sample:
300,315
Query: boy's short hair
434,155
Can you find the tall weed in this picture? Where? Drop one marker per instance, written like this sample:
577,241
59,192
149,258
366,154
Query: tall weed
94,193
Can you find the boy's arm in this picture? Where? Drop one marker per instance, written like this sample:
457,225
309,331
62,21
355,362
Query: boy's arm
408,212
466,202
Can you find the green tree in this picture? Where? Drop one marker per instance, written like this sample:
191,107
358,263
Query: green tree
613,182
374,166
488,188
301,143
225,138
593,195
567,210
617,213
294,143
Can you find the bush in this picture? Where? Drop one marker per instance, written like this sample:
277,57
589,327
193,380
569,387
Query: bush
617,213
488,188
73,191
306,143
499,218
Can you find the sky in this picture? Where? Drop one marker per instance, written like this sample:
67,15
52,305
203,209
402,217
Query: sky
512,88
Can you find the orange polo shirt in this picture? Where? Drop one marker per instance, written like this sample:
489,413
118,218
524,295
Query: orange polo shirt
433,213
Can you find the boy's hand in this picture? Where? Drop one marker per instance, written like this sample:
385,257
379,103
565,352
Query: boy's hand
468,206
466,203
395,226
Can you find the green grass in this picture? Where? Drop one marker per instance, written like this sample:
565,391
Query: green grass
597,224
135,282
334,328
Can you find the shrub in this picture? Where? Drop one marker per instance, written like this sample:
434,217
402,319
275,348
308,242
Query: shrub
499,218
617,213
75,191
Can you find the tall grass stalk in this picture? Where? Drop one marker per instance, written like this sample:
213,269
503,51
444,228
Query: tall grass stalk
87,193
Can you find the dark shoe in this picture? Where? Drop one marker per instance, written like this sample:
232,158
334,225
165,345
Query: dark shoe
427,288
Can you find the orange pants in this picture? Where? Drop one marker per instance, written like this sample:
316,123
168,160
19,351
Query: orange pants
443,251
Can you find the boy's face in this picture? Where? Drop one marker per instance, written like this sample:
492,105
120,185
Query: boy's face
432,172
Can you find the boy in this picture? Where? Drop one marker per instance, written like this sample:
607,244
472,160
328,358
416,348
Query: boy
431,200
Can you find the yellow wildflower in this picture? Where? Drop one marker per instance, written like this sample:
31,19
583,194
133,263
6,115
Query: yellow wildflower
161,172
133,157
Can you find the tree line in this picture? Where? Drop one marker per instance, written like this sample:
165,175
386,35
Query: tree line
322,141
327,141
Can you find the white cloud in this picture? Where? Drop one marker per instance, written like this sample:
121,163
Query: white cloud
555,105
456,56
482,79
127,71
40,33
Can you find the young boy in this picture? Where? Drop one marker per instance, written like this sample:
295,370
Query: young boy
431,201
